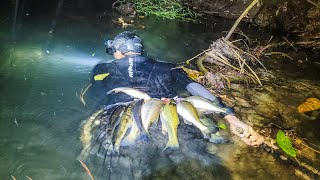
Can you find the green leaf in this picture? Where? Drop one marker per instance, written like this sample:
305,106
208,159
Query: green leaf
222,126
100,77
285,144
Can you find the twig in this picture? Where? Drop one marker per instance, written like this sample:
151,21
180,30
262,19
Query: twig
290,43
252,56
188,61
270,39
87,169
83,92
29,178
313,3
310,148
13,177
245,12
280,53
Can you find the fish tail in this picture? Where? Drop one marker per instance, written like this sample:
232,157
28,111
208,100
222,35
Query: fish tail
173,144
128,141
110,149
164,130
116,150
144,136
110,92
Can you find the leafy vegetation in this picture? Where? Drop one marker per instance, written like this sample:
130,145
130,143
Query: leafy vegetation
285,144
169,9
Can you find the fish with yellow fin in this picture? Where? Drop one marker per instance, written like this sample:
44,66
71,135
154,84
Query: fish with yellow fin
170,122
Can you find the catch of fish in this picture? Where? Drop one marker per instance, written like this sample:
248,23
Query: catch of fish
130,122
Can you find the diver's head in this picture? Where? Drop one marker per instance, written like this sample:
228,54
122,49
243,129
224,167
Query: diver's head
124,44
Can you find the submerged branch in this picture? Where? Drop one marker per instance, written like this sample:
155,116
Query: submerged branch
245,12
87,169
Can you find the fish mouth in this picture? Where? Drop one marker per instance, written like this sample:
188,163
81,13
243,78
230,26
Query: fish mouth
166,100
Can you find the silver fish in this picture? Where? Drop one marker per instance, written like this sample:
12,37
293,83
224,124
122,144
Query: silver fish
206,105
136,128
131,92
150,112
190,114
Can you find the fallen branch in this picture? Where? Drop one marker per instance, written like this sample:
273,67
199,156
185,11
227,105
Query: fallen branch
87,169
83,92
245,12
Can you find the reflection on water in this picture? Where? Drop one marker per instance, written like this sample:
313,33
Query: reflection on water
41,115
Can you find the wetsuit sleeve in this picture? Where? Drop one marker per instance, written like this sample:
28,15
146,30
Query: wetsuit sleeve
100,68
180,76
193,87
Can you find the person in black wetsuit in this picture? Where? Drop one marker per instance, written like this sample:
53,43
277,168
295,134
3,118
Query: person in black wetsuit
157,79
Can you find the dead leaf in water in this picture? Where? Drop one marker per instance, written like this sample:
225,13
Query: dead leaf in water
310,104
193,74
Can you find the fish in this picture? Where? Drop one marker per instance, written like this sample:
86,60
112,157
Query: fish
125,124
190,114
136,114
114,121
132,136
131,92
217,138
170,121
110,128
209,123
150,112
137,128
105,120
204,104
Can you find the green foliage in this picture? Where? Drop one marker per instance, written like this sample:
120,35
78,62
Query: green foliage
169,9
285,144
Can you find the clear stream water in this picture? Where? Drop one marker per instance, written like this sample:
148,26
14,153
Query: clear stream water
41,78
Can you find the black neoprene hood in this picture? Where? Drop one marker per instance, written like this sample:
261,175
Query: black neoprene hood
124,42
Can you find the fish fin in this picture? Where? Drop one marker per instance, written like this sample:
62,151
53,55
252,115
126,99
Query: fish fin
116,150
144,137
171,145
164,130
186,122
217,139
110,149
110,92
128,141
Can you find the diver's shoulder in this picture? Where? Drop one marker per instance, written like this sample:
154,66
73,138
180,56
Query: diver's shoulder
105,63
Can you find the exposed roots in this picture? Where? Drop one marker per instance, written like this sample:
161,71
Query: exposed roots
226,64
